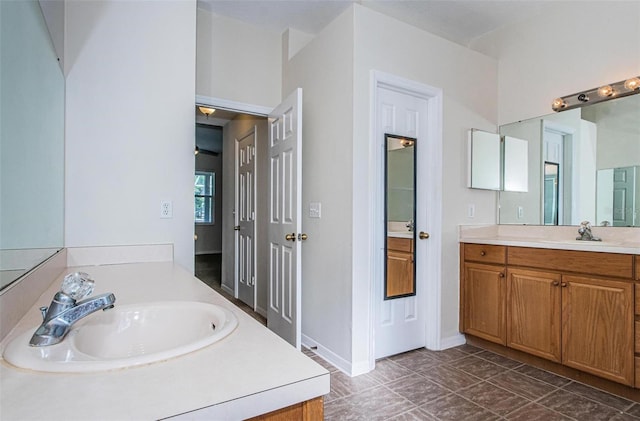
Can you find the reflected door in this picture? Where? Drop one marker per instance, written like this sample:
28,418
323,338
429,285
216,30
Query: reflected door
245,271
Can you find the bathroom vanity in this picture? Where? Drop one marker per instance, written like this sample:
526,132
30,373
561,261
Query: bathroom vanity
572,303
249,373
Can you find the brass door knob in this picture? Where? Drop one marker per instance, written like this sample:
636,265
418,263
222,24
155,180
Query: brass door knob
302,237
423,235
290,237
236,228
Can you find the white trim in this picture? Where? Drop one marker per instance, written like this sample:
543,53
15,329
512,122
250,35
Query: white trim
233,105
432,158
452,341
226,289
329,356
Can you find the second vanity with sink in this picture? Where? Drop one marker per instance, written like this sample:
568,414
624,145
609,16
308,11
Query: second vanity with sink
570,304
246,372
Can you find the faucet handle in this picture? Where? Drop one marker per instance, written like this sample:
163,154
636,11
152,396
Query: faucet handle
77,285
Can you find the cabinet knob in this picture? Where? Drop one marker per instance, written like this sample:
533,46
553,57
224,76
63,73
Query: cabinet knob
556,283
563,285
483,253
501,275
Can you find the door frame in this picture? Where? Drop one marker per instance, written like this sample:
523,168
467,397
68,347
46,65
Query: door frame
242,108
429,155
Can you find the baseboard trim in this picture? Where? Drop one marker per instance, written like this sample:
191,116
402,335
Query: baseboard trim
328,355
452,341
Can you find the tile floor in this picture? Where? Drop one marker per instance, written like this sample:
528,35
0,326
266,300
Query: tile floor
465,383
462,384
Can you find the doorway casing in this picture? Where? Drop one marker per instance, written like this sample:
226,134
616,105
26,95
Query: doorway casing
430,158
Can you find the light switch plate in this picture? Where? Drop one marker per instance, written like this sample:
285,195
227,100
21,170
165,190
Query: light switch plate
315,210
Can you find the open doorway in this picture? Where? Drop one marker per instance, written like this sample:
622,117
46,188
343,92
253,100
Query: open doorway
228,190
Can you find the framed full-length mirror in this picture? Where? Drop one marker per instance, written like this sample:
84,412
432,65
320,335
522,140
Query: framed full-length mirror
584,165
31,141
400,216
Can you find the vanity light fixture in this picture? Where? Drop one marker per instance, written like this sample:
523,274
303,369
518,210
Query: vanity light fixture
206,110
630,86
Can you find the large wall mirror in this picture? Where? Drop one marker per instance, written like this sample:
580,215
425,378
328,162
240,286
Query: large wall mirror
400,216
584,165
31,141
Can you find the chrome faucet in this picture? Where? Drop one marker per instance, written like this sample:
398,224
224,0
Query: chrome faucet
410,225
64,310
585,232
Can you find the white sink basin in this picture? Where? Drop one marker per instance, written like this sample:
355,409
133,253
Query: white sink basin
126,336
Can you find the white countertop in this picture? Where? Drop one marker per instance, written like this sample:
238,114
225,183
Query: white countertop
250,372
614,239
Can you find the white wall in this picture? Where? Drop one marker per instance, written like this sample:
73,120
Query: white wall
237,61
470,101
581,45
130,126
324,71
31,131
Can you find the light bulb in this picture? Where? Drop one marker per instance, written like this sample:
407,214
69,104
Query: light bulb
558,104
605,91
632,84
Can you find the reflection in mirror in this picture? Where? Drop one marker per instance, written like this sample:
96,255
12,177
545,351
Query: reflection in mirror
590,145
31,141
400,182
484,160
551,172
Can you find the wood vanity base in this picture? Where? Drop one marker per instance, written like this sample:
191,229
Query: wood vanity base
559,369
311,410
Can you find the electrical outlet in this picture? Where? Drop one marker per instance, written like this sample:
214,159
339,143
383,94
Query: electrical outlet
315,210
520,212
166,209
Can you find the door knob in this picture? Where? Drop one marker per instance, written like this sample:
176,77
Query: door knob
302,237
423,235
290,237
236,228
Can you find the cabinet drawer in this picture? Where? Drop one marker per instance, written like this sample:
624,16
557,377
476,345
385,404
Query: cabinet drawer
400,244
485,253
587,262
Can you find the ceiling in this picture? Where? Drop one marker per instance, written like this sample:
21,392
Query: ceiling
459,21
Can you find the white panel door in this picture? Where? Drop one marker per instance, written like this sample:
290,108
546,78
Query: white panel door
246,216
400,323
624,188
285,211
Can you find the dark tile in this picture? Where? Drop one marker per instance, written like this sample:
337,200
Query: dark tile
449,377
535,412
414,360
576,406
446,355
478,367
616,402
623,416
414,415
543,375
522,385
386,371
469,349
324,363
454,407
634,410
343,385
378,403
498,359
417,389
493,398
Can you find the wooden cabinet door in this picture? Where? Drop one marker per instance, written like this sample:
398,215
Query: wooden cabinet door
534,313
484,301
598,323
399,273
